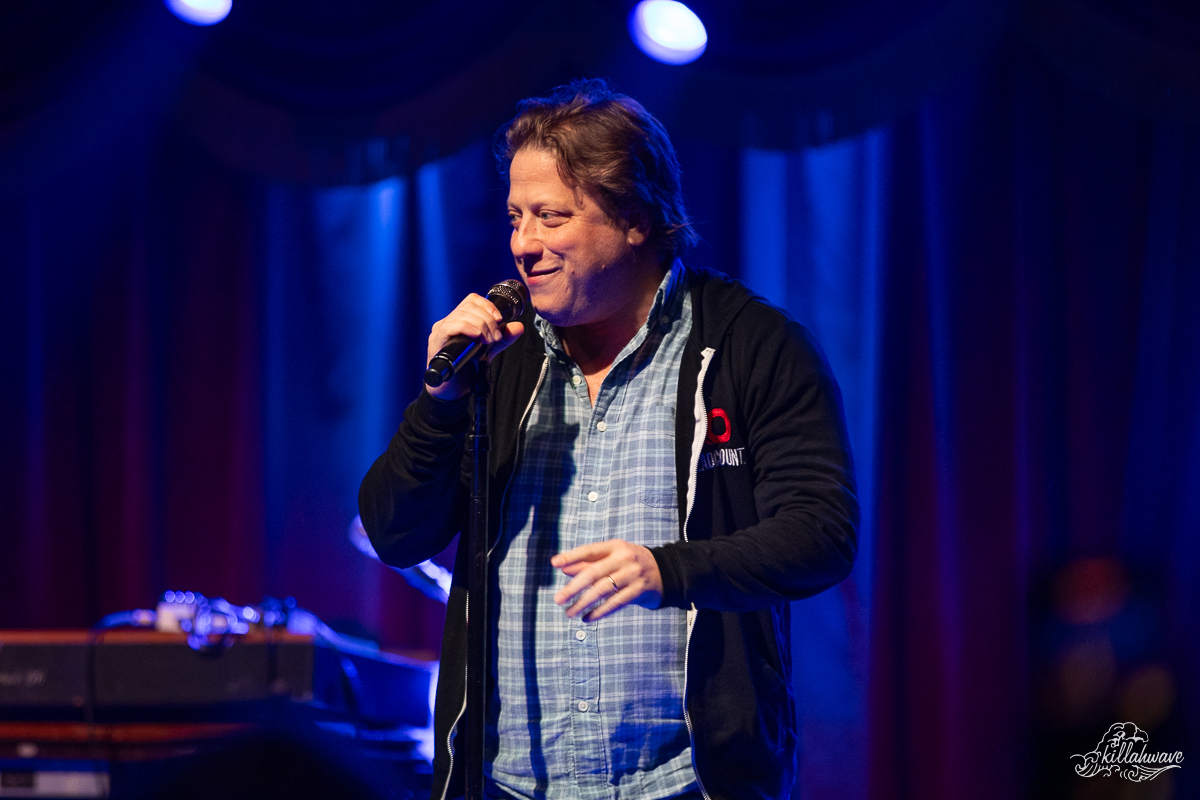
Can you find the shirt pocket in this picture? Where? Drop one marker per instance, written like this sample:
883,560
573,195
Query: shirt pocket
654,457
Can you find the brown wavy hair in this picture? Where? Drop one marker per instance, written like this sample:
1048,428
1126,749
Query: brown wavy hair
607,144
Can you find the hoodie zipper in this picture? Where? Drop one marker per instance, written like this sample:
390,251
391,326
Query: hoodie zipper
697,445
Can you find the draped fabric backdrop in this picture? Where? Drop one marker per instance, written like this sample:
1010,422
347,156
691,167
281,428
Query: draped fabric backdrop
210,330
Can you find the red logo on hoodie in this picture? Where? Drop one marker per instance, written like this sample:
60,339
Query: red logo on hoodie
718,427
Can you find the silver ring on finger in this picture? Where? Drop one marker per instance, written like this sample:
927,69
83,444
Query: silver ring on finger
614,583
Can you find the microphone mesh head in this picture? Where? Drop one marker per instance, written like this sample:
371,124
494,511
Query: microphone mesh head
509,297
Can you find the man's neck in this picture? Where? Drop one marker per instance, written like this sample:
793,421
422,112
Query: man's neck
595,346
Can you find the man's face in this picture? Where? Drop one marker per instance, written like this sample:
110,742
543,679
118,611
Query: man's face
579,264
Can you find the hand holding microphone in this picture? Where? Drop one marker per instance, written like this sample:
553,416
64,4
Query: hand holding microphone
476,326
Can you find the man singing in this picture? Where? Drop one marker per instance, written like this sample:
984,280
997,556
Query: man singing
669,469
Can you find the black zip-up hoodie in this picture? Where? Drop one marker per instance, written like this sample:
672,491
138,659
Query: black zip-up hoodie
768,514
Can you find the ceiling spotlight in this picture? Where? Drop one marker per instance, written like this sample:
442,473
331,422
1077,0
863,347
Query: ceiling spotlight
667,31
200,12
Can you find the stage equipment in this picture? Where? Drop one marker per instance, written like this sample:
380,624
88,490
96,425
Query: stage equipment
200,12
83,712
667,31
478,633
509,297
429,578
144,675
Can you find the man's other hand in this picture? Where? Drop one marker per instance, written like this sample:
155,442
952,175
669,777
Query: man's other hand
606,576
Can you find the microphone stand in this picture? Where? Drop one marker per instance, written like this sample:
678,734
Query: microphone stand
478,616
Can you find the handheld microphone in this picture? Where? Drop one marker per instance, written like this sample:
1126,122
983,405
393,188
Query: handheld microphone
509,299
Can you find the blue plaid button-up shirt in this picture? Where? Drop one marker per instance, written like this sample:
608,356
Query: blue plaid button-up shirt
592,711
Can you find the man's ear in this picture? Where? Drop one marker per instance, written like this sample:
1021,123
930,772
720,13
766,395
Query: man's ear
637,228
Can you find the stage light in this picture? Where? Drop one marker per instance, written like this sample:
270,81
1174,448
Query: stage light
200,12
667,31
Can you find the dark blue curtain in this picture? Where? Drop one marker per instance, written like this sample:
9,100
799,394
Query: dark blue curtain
206,340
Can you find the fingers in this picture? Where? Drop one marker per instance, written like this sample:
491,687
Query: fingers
591,551
611,602
511,332
585,564
607,576
477,318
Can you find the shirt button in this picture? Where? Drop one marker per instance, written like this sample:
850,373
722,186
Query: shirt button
583,706
580,635
593,496
664,319
576,380
602,426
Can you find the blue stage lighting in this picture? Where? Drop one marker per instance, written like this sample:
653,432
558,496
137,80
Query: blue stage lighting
200,12
667,31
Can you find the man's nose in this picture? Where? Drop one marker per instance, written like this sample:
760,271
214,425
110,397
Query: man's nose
524,244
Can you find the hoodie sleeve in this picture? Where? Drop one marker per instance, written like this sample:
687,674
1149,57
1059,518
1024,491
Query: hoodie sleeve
413,497
776,521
